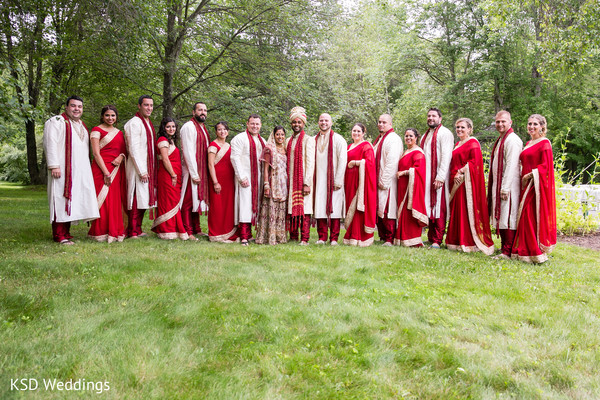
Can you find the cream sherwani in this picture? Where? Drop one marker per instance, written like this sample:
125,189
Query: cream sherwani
137,163
190,167
340,154
511,182
84,206
388,167
240,159
444,148
308,155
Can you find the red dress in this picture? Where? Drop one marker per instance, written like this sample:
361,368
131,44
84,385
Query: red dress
469,225
168,223
221,226
111,199
360,190
536,221
412,214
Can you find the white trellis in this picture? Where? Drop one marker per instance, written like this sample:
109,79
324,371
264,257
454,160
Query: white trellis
587,195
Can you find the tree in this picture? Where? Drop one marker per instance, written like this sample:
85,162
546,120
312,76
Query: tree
180,51
22,54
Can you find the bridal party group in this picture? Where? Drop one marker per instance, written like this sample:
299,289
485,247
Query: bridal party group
279,187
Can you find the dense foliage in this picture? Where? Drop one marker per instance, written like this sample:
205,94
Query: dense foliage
354,60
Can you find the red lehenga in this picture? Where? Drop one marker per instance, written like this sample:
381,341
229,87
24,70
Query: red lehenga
469,225
270,228
412,214
221,225
360,187
168,223
109,227
536,221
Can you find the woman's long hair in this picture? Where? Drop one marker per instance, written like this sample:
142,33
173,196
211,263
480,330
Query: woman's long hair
542,121
415,132
105,109
163,132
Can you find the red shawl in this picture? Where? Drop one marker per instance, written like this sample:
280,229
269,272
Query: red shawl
499,173
297,177
536,226
254,174
416,209
152,176
201,159
434,166
329,205
468,156
68,168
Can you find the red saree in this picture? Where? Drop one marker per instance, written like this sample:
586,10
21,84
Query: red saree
221,226
168,224
412,214
469,225
536,221
109,227
360,187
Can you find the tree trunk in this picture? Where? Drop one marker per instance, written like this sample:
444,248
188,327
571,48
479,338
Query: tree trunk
167,103
172,50
34,86
35,174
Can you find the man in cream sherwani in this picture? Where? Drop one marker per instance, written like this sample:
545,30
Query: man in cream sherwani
246,149
330,167
141,166
71,190
388,149
300,150
437,144
504,186
194,147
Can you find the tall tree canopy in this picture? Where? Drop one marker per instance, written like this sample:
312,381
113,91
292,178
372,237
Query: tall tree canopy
354,60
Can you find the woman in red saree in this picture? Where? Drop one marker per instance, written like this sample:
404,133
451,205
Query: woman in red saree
168,223
469,225
221,190
108,147
412,215
536,221
360,187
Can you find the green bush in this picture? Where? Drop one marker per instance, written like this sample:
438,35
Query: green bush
572,216
13,163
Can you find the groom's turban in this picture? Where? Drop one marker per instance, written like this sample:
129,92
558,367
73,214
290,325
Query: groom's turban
298,112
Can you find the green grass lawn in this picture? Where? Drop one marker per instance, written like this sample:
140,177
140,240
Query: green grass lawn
168,320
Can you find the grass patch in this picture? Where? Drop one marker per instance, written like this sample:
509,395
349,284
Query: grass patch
160,319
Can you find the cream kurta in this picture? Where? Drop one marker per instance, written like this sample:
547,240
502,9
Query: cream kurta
189,166
84,205
340,154
308,155
511,182
388,167
137,163
240,159
444,148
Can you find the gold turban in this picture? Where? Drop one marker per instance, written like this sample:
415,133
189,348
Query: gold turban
298,112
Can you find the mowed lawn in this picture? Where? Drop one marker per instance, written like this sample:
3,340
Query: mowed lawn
178,320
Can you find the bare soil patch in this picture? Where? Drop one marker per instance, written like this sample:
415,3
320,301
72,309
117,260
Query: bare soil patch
589,241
